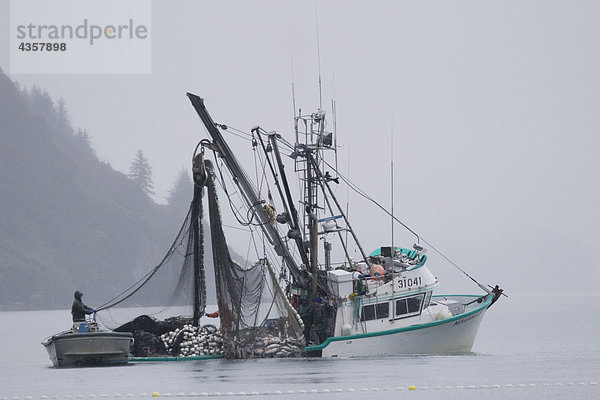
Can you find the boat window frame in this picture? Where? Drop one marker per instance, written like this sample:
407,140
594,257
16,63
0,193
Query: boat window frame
427,300
377,311
409,313
363,316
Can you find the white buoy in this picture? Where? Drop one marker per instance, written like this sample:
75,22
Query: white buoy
443,314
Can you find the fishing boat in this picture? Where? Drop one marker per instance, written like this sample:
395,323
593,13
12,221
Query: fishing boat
381,303
384,303
86,345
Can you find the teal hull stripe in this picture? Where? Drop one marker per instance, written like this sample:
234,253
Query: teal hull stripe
483,306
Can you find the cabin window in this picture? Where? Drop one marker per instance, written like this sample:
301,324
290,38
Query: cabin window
368,313
401,307
375,311
408,306
414,304
427,300
383,310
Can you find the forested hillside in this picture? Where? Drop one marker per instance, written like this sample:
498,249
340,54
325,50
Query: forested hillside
69,221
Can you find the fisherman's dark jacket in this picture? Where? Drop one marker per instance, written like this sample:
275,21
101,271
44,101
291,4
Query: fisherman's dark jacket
78,310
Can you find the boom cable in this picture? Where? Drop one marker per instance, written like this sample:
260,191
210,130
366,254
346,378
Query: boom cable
419,237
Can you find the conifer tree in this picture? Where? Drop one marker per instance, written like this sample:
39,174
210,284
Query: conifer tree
140,171
180,195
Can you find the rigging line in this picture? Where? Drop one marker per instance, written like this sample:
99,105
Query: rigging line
259,189
325,184
141,282
235,132
224,187
240,132
256,157
272,303
343,243
254,242
419,237
273,172
239,136
264,174
248,251
235,227
251,211
269,161
285,143
113,321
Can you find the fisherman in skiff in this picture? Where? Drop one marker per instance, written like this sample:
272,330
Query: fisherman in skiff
79,310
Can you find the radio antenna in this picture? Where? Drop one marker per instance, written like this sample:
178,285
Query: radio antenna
293,88
392,167
318,57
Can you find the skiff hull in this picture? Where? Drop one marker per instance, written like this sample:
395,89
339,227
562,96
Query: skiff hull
88,349
453,335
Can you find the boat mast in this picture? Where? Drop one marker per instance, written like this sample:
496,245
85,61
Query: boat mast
392,208
312,228
392,173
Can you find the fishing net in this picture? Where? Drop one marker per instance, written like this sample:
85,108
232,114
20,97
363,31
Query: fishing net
179,279
173,293
256,318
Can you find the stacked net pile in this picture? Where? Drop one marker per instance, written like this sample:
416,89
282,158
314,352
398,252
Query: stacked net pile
256,318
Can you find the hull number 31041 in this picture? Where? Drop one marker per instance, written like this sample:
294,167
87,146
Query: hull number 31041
409,282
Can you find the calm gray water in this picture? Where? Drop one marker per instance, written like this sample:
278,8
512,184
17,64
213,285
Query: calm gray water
528,347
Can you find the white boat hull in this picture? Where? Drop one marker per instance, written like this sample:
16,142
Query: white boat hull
453,335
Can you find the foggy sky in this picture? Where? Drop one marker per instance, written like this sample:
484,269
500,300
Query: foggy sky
494,108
